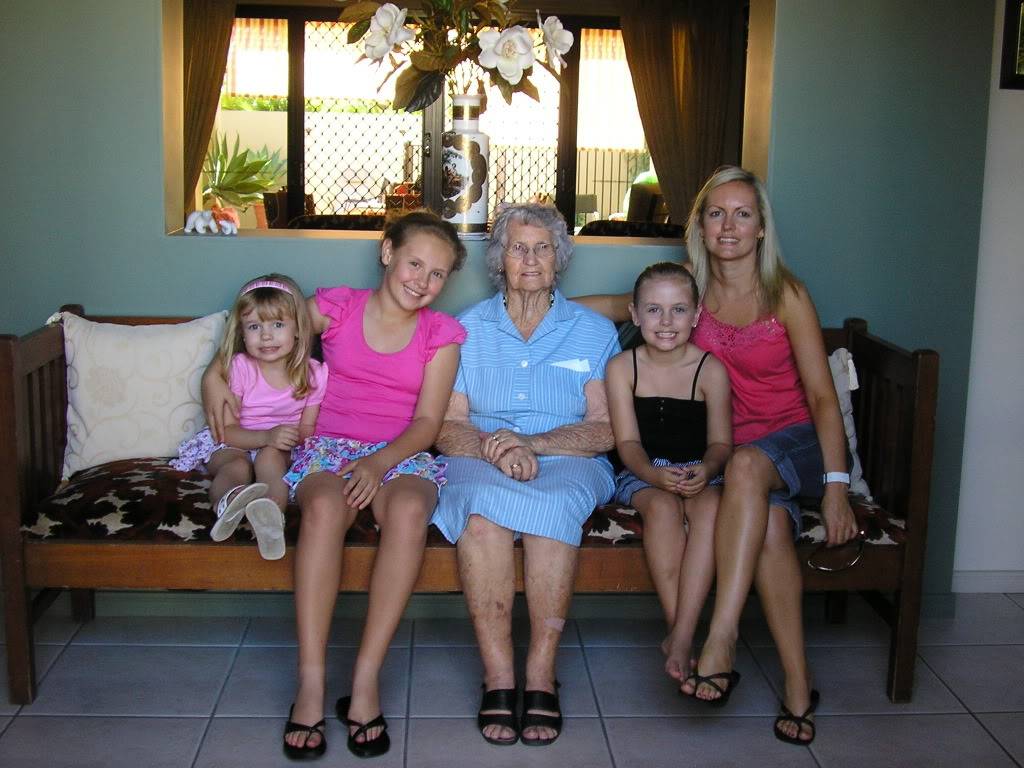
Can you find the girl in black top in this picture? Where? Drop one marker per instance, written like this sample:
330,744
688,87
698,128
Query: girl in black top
671,415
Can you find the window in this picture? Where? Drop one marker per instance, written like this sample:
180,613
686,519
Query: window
294,85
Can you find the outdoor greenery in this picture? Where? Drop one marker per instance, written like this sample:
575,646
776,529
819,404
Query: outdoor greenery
240,177
249,103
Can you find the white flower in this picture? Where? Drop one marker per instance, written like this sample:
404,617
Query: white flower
557,40
386,31
511,51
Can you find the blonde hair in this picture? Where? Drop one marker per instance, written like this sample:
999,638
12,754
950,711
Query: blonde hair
772,274
271,303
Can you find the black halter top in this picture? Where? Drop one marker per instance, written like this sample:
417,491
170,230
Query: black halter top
672,428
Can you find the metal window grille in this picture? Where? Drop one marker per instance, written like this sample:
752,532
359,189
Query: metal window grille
356,146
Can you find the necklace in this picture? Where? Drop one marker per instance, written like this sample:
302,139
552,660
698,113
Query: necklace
551,299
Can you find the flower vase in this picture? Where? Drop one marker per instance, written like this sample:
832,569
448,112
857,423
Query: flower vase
464,167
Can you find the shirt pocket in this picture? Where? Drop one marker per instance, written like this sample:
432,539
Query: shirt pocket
559,392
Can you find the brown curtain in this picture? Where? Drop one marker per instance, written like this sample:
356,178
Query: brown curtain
680,57
207,33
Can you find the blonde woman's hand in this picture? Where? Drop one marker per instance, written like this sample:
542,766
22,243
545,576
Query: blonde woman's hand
840,522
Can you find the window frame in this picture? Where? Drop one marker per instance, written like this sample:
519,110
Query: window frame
1012,33
433,116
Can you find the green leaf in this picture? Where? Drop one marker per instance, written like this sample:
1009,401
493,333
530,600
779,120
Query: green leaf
427,62
358,29
504,86
428,90
526,86
353,12
405,86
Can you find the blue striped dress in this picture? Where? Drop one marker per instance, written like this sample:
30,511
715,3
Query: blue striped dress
529,386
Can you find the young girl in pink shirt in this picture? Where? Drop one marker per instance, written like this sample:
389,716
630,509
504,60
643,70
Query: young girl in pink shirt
392,364
264,360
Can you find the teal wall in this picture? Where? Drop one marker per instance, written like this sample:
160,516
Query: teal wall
876,164
82,198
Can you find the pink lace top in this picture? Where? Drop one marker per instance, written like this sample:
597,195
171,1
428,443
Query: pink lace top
767,394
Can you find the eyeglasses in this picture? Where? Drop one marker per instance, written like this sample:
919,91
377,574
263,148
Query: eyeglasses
540,250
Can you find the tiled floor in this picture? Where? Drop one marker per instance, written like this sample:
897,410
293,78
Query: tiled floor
145,691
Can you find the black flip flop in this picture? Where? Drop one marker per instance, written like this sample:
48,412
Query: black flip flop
799,720
304,751
503,700
731,680
373,747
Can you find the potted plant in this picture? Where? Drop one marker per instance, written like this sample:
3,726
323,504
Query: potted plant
237,179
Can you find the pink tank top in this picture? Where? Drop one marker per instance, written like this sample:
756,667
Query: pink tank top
767,394
371,396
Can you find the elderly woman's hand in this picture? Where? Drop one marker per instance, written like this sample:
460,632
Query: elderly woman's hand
519,463
500,442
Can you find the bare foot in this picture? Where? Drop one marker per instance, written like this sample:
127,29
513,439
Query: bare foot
679,662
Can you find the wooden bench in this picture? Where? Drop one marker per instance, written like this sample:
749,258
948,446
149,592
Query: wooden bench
53,542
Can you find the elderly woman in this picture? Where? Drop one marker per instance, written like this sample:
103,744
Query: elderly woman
524,437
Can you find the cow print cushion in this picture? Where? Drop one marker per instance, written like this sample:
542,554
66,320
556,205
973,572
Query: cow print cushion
146,500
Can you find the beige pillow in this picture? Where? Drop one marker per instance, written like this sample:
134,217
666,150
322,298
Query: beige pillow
844,376
134,391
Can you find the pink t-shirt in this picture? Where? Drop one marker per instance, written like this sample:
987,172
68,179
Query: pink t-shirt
264,407
372,396
767,394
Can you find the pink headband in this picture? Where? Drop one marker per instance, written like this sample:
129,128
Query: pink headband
266,284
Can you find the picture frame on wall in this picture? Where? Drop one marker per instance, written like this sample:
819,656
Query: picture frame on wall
1012,69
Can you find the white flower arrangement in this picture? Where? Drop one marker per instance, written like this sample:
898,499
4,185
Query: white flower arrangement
448,33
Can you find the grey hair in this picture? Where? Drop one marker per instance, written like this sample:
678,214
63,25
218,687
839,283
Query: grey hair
532,215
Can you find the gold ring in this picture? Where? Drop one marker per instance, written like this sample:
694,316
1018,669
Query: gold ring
495,437
516,466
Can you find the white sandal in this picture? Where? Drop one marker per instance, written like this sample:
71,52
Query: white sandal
232,506
267,522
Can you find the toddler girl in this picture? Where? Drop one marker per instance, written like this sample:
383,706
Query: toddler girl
264,360
392,365
671,415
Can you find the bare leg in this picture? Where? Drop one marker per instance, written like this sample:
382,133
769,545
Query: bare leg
271,465
549,568
739,538
780,586
695,577
402,509
325,520
228,467
487,571
664,541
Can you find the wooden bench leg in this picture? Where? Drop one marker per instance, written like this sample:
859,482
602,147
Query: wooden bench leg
21,663
83,604
903,648
835,607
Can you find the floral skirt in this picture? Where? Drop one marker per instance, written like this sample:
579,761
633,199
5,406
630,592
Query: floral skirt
195,452
331,454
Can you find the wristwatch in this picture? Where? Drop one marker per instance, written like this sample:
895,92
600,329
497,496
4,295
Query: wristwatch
836,477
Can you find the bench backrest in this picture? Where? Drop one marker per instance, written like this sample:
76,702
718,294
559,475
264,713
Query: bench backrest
894,409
